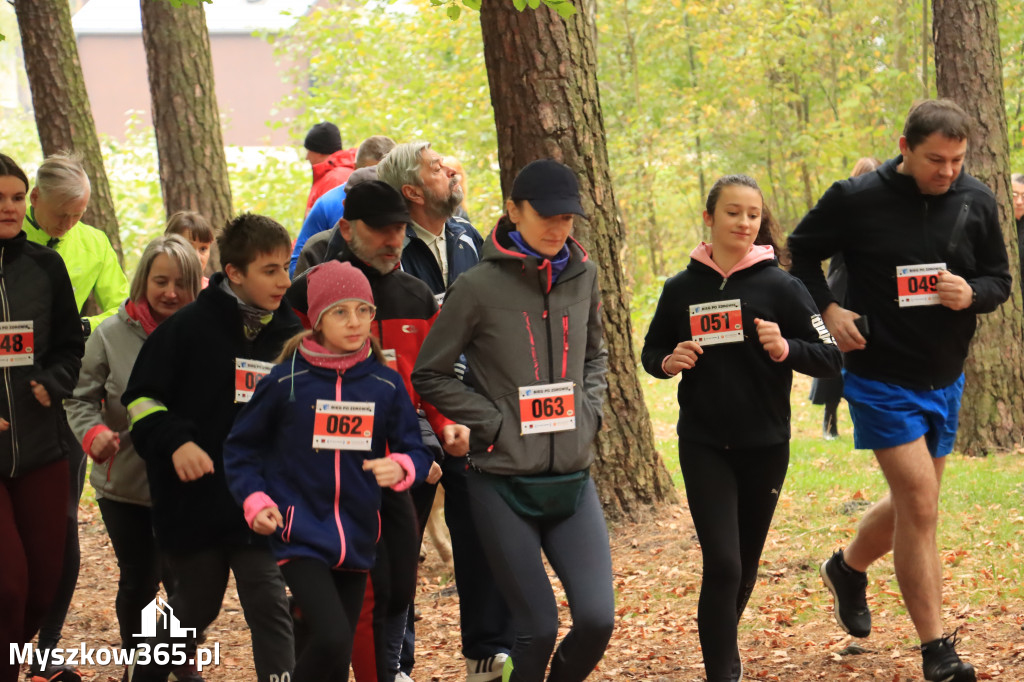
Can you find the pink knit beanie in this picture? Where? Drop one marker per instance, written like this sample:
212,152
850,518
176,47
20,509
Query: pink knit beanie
331,283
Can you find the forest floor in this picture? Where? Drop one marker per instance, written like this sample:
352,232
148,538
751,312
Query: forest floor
787,633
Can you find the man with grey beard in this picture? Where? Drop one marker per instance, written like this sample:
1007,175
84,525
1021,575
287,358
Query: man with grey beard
438,248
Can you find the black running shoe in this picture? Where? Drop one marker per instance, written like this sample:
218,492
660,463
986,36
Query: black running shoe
941,664
849,590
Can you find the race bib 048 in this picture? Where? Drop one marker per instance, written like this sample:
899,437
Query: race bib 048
17,343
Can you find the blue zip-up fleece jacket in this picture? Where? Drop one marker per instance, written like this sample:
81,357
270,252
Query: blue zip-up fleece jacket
329,504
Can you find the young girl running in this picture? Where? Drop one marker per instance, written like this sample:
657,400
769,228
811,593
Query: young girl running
734,326
324,431
167,278
527,318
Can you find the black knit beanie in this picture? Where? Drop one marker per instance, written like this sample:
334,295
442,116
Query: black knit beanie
323,138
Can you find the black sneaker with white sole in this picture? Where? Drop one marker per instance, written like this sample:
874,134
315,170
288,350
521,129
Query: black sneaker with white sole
849,590
941,663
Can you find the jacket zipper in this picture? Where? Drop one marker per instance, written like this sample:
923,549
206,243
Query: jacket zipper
565,343
7,370
337,486
551,376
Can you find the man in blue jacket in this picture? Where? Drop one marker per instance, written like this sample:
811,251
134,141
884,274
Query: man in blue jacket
438,248
925,255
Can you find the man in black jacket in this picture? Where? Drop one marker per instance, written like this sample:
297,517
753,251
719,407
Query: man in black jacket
925,256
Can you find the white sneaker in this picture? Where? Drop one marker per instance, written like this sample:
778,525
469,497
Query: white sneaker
402,677
485,669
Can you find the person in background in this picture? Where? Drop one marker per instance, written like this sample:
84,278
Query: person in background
438,249
58,201
828,391
168,277
329,207
456,165
41,352
194,228
330,163
317,247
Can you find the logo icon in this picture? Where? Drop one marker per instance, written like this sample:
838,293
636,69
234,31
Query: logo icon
159,611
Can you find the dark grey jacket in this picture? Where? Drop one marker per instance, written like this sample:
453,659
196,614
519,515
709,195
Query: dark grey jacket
517,329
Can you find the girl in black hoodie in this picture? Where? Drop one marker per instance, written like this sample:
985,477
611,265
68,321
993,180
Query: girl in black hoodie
734,326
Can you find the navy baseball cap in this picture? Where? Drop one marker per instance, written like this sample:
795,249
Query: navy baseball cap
550,187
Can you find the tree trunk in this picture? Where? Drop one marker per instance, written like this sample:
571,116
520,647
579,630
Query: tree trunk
193,168
543,79
968,70
61,104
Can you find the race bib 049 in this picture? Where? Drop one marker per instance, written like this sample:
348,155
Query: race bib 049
716,322
17,343
917,285
547,408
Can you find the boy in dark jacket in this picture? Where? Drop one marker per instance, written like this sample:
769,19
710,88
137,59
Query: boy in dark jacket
191,379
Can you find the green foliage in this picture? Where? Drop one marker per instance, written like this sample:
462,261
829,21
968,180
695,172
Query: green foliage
194,3
408,73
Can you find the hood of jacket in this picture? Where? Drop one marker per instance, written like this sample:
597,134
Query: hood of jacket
343,158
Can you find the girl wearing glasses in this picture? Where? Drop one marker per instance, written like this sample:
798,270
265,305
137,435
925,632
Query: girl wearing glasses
307,458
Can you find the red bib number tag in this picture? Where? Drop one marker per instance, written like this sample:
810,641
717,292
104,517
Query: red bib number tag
341,425
718,322
390,358
918,284
17,344
247,374
547,408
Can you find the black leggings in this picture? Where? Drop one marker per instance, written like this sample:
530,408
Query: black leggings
732,496
130,527
330,603
577,549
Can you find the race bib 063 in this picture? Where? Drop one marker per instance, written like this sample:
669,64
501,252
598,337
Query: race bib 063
547,408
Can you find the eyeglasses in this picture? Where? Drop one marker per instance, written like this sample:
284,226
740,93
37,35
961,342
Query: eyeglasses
362,312
1017,195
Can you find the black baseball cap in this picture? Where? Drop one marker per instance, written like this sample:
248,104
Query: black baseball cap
550,187
377,204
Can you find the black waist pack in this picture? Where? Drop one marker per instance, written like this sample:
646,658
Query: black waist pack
544,497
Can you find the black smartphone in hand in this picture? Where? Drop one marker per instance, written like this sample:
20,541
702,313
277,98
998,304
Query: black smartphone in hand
862,326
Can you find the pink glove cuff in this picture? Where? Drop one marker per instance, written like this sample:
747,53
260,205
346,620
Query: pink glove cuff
785,353
254,504
671,374
90,436
410,471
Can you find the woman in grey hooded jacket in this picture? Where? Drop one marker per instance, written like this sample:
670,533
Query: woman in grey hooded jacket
168,277
528,320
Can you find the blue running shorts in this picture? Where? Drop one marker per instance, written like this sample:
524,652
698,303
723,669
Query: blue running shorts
886,415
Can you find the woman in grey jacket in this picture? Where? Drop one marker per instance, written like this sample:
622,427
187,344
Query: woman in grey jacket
527,319
168,277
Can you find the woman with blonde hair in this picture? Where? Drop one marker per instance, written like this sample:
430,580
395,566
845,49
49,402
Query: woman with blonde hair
167,278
